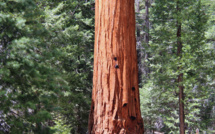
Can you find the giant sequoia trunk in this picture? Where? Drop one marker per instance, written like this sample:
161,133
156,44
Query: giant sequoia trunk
115,105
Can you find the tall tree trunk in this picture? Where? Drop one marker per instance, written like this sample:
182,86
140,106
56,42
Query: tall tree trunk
147,22
137,2
146,27
115,105
140,52
180,76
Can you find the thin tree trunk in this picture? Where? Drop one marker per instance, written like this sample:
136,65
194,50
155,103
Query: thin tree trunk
138,11
140,52
181,104
146,37
180,77
147,22
115,107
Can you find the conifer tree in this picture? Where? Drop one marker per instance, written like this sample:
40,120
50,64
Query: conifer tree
178,55
46,58
28,82
70,25
115,104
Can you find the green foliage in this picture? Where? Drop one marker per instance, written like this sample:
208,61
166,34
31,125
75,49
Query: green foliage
26,73
46,58
196,64
46,54
71,30
60,126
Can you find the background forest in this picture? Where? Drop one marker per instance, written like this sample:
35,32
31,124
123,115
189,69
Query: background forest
46,58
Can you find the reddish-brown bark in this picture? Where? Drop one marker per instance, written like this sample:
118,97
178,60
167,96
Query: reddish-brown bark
115,105
180,77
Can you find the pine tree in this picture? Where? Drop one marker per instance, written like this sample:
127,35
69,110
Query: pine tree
29,83
70,25
46,58
178,55
207,112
